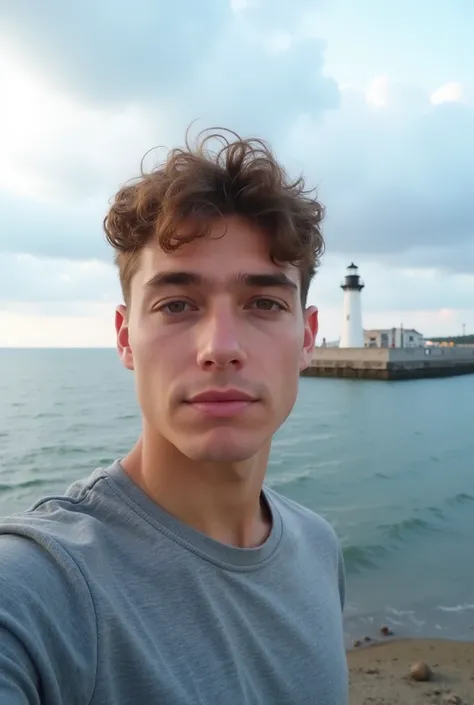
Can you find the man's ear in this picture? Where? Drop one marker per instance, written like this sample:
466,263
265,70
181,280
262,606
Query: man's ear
123,339
309,338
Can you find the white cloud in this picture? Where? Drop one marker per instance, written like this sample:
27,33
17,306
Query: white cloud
378,92
394,180
56,147
46,279
389,288
449,93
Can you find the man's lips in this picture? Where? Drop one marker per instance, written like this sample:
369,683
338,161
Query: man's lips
220,395
221,402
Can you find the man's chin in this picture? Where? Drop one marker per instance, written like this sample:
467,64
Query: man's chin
225,449
225,456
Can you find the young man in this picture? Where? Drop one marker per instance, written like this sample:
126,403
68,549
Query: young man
176,576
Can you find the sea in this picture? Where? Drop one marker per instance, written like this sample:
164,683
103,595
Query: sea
389,464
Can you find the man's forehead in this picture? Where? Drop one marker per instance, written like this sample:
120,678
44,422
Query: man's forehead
213,265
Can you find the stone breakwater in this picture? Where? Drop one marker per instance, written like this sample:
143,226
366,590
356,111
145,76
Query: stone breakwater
391,363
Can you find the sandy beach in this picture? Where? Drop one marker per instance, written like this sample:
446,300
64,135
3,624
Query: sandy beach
380,673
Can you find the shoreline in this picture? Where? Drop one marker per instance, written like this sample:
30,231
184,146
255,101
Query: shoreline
380,672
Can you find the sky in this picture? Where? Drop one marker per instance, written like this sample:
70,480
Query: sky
372,101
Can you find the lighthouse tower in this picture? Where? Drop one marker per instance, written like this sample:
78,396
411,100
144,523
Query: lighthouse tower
352,330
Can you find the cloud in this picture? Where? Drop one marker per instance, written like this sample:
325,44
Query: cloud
393,288
26,278
195,59
278,18
260,92
395,175
84,105
53,229
449,93
113,51
56,147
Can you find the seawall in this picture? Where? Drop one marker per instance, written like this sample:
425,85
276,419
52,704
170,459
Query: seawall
391,363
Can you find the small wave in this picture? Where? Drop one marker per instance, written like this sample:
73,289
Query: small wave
25,483
104,461
400,529
460,498
408,614
401,613
437,512
382,476
61,449
295,478
288,478
357,558
457,608
288,442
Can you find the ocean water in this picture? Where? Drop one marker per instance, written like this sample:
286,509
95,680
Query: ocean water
389,464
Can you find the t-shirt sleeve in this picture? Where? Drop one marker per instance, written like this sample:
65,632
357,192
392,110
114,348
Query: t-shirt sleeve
19,682
48,637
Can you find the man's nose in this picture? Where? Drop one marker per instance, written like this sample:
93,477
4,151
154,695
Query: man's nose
219,343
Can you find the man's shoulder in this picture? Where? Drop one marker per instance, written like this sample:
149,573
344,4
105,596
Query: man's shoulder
36,554
28,565
42,587
47,532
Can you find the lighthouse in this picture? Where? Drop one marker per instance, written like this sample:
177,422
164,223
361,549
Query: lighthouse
352,330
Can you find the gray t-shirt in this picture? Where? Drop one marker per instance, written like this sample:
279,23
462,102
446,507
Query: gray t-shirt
106,599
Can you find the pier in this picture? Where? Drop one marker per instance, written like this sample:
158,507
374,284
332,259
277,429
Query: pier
391,363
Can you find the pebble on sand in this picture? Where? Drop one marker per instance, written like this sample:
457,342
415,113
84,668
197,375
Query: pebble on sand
420,671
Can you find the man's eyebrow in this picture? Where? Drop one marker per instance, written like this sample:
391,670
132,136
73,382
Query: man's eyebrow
264,280
275,279
173,279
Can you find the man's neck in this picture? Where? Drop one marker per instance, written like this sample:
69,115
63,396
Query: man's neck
222,501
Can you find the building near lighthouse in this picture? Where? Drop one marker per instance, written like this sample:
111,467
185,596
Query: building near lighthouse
352,334
393,338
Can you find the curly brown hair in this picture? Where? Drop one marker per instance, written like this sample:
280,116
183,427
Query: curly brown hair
240,178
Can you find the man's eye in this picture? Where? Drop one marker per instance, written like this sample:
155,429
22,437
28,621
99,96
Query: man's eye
268,305
175,307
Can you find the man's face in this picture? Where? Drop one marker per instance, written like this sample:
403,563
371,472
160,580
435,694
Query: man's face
217,337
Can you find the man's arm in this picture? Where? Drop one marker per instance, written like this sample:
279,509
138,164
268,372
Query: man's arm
48,639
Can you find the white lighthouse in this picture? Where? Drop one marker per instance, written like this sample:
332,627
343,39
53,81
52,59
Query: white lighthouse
352,331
